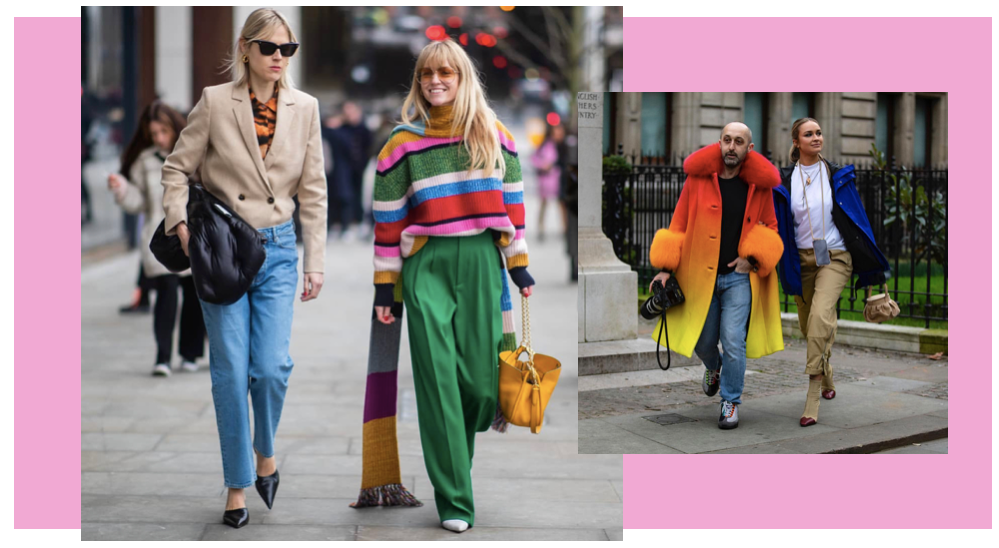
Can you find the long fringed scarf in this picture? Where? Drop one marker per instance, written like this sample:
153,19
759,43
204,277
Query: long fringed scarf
381,479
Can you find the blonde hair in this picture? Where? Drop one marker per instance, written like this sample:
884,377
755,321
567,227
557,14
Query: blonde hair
259,24
473,118
795,154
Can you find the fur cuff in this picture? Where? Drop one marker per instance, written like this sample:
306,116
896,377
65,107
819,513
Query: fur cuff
764,245
665,251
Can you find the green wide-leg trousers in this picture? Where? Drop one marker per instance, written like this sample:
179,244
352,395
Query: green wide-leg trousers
452,288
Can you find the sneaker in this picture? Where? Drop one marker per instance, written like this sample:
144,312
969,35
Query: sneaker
710,382
729,417
161,370
189,366
456,525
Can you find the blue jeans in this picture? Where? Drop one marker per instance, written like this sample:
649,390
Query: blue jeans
728,320
248,344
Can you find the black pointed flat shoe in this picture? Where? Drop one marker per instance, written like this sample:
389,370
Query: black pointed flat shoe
267,487
236,518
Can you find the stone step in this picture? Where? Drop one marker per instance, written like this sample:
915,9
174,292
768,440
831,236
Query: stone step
639,354
628,355
877,336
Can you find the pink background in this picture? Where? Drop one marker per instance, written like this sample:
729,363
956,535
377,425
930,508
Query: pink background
918,491
46,274
842,491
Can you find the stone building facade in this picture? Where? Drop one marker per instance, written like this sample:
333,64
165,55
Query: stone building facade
910,126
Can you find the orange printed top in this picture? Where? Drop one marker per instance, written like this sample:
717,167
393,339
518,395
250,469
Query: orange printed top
264,120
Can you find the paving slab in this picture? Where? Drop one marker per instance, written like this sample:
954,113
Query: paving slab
152,509
892,384
258,532
703,435
142,531
865,439
119,441
478,533
596,436
930,372
853,406
535,489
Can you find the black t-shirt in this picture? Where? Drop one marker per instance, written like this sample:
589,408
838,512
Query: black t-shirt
734,192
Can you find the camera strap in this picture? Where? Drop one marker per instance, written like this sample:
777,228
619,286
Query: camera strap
662,329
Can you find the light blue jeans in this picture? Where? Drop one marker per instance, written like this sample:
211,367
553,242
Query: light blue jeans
728,320
248,344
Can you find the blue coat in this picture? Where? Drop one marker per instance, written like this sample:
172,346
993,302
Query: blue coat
869,264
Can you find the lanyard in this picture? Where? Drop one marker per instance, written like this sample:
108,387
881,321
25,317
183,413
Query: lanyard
808,209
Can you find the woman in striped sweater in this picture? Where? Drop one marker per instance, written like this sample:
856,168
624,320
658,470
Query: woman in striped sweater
449,211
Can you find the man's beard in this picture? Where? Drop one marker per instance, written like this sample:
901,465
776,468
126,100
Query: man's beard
731,161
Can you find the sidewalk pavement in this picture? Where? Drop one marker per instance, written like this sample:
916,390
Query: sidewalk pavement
883,400
152,467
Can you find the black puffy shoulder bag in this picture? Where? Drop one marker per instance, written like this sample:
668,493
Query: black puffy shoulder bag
226,252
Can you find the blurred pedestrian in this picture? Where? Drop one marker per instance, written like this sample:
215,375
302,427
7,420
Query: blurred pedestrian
141,192
258,143
86,207
341,178
448,206
359,140
569,195
547,163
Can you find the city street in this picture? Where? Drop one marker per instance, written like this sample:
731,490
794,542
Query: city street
893,402
151,462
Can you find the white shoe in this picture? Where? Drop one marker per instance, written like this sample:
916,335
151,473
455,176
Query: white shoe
456,525
161,370
190,367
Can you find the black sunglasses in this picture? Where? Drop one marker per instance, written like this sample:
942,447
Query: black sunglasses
267,48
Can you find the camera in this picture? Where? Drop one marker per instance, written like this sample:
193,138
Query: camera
663,297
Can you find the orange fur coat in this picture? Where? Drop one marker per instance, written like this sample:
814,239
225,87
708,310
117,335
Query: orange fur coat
690,249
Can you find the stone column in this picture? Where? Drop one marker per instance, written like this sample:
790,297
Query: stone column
905,130
779,127
173,56
829,113
938,145
606,297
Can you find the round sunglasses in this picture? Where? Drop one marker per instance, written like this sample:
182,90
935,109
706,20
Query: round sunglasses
446,74
268,48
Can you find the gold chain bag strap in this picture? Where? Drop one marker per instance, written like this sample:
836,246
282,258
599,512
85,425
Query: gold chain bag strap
880,308
525,387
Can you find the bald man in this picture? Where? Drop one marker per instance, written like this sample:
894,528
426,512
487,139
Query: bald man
723,228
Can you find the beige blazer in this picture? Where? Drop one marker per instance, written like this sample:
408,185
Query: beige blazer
220,138
142,193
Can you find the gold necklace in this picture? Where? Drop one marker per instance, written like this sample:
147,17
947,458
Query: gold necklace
808,178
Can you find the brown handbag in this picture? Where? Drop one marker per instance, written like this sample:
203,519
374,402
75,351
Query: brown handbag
525,387
880,308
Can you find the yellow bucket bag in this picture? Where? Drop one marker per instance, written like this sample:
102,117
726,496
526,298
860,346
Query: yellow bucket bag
525,387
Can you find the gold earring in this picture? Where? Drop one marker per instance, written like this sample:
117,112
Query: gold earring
246,59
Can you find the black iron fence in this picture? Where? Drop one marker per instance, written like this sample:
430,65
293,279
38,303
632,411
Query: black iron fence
907,209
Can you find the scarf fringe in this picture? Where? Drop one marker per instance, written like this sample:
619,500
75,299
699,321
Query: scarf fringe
499,422
393,494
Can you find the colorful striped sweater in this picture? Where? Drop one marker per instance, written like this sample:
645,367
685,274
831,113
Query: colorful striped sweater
423,188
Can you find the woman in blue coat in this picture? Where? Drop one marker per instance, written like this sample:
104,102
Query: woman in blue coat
827,237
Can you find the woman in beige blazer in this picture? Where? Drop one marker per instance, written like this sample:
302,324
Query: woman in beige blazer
258,144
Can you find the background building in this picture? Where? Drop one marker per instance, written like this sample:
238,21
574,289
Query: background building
910,126
531,59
